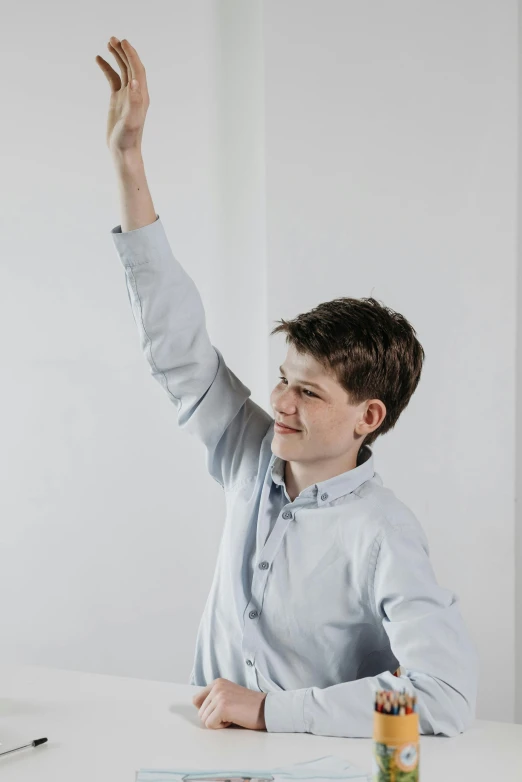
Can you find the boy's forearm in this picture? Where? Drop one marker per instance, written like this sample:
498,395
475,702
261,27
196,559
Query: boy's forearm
137,209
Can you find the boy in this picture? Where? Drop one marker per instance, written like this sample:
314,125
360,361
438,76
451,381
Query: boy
323,591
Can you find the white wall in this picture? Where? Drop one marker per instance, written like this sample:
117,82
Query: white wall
391,154
383,140
518,421
109,522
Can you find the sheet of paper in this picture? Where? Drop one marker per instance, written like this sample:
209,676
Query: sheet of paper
323,769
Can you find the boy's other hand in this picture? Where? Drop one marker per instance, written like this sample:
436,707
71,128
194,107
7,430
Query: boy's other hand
223,703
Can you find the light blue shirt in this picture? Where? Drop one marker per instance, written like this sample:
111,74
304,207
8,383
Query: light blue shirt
317,601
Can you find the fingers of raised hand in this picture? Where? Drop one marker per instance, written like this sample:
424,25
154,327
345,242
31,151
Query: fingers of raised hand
129,64
129,55
115,47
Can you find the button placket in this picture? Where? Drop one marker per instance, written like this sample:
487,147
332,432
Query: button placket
250,641
274,541
250,630
259,580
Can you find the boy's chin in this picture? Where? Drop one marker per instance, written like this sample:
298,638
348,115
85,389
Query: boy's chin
280,446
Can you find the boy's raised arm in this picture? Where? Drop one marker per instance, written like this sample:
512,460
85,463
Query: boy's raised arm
128,108
167,308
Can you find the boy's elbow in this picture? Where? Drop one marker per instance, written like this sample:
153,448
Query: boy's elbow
448,711
460,717
462,702
456,717
465,708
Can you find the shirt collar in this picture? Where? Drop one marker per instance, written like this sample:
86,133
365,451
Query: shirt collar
333,488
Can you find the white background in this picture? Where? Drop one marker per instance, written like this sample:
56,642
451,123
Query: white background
296,151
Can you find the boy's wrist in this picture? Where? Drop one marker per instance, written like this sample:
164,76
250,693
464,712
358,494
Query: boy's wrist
127,159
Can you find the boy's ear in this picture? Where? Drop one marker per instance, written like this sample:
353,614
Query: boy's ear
372,417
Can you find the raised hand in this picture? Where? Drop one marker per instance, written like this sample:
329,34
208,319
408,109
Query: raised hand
127,107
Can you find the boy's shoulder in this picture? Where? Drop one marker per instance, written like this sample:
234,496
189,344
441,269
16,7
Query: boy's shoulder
385,513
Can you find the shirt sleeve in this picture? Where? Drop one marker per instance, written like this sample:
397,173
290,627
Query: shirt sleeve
439,662
211,402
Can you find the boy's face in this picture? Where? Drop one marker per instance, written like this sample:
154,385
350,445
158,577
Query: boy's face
329,428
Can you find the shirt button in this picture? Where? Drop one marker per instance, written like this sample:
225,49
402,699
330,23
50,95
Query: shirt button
253,614
287,514
249,662
324,496
264,565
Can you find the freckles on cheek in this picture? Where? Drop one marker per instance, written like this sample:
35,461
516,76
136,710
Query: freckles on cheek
333,428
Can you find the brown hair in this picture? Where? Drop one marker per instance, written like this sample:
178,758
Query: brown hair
371,350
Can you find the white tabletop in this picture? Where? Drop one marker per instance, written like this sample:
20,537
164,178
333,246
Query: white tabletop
105,728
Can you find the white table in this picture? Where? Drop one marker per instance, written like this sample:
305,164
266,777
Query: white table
105,728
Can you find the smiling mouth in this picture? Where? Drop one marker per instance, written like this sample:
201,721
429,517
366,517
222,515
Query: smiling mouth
286,428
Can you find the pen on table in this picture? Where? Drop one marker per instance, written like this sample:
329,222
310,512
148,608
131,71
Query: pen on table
34,743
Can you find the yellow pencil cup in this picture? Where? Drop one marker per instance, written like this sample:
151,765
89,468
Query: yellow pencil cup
395,747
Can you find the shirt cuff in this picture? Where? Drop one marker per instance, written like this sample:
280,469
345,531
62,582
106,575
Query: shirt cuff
284,711
141,245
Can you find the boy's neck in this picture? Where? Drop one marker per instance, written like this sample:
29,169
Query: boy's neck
300,475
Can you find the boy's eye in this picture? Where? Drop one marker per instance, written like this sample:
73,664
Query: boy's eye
304,390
